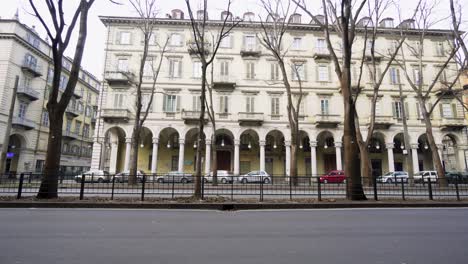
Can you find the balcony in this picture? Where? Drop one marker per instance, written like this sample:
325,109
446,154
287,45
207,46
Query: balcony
24,123
115,115
32,68
321,54
192,47
119,78
453,123
72,112
192,117
77,94
327,121
251,51
383,122
223,82
93,120
250,119
27,93
377,56
70,135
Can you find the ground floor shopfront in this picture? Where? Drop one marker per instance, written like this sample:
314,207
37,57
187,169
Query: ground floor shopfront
241,149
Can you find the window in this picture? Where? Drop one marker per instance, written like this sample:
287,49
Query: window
417,77
122,65
298,72
321,46
378,111
148,68
224,68
175,68
196,103
88,111
33,40
224,104
440,49
324,110
250,70
118,101
249,42
125,38
302,105
79,107
176,40
397,110
89,97
274,71
275,106
63,82
30,61
86,130
77,127
250,104
394,75
145,100
323,75
170,103
40,165
447,110
226,42
50,76
45,119
27,82
196,69
68,125
22,108
297,44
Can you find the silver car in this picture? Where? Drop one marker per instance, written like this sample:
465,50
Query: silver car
393,176
123,176
255,177
175,176
224,176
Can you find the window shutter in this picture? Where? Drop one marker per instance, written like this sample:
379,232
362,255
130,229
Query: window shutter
454,110
247,104
272,105
329,74
226,104
252,104
221,99
407,110
171,68
179,63
441,110
398,76
177,103
272,71
194,103
394,109
118,37
165,103
247,70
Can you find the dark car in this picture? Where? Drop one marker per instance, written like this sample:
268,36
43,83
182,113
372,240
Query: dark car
334,176
456,177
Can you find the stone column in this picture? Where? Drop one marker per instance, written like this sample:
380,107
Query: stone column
339,163
262,155
391,161
288,157
113,157
207,156
154,157
236,156
96,155
462,163
181,155
414,153
128,150
313,158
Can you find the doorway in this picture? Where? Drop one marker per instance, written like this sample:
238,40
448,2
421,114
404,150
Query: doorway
223,159
376,167
329,162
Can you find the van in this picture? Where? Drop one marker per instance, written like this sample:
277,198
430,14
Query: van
425,176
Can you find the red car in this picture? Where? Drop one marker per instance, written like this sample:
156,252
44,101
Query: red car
334,176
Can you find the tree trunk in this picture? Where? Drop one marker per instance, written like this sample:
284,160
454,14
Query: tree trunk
201,136
214,159
49,182
435,154
366,167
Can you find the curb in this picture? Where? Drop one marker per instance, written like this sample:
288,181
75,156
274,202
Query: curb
229,206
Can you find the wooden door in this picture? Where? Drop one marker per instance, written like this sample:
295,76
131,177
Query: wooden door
330,162
223,159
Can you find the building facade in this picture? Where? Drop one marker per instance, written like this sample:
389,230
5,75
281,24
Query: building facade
24,55
250,103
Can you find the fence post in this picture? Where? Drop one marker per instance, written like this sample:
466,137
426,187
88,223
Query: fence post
20,186
173,185
456,189
403,189
232,189
429,185
30,176
143,187
202,179
290,188
113,186
261,188
374,181
82,186
319,190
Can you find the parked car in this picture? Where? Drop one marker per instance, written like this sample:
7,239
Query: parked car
123,176
224,176
456,176
175,176
393,176
334,176
425,176
93,176
255,176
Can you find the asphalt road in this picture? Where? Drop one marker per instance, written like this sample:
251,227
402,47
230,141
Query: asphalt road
173,236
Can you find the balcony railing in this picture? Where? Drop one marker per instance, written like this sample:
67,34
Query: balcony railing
119,78
224,82
193,49
28,93
327,120
34,68
250,118
251,50
453,123
72,111
21,122
383,122
321,53
115,114
68,134
192,117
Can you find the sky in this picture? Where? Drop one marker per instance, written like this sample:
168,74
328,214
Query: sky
93,59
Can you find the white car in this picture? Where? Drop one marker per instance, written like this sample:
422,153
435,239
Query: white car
123,176
93,176
425,176
255,176
393,176
224,176
175,176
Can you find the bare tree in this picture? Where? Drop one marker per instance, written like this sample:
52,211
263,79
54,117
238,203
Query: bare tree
272,38
147,11
201,47
345,16
430,94
59,32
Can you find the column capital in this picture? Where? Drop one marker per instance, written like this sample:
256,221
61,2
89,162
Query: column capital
207,141
338,144
414,146
440,146
390,145
313,143
128,140
237,142
181,141
287,143
262,143
155,140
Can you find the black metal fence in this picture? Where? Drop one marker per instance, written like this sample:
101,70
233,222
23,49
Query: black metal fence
233,187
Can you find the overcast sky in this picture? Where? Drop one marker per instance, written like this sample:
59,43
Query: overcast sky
94,54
